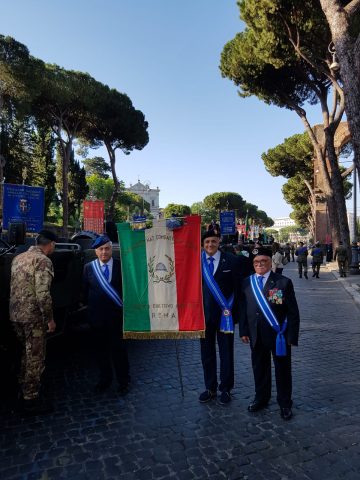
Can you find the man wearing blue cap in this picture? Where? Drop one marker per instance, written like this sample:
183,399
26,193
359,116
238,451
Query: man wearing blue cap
269,321
102,289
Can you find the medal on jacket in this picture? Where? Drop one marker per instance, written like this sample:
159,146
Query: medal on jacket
270,317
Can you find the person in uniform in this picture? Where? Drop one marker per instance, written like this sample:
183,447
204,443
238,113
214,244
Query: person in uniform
221,282
317,259
269,321
102,289
302,254
292,251
341,254
287,251
32,316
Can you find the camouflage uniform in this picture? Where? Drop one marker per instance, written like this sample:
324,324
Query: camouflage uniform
30,311
341,252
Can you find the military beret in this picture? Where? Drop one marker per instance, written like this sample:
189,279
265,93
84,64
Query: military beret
262,251
49,235
100,241
208,234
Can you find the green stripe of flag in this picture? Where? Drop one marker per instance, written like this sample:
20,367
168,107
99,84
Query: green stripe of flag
135,279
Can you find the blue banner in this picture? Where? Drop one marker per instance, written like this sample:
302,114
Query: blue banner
23,204
227,223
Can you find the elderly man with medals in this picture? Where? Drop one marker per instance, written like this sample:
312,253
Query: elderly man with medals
102,286
221,281
269,321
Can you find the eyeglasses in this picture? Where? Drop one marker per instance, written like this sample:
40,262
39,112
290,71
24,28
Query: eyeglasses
260,262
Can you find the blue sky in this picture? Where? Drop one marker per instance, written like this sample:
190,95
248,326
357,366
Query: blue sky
165,55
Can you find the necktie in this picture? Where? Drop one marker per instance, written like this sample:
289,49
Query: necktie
106,271
211,265
260,279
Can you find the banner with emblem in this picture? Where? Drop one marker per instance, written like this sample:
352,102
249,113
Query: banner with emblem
162,289
23,203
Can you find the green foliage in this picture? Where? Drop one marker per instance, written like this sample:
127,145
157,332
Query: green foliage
293,156
207,214
225,201
284,233
35,96
263,62
78,187
176,209
96,166
127,204
100,188
42,164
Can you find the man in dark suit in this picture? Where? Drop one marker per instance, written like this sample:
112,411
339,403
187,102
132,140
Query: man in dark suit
225,270
102,286
255,327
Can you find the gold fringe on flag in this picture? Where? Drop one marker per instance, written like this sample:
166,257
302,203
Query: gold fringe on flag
163,335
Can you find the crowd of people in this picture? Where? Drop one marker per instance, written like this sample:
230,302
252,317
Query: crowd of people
242,284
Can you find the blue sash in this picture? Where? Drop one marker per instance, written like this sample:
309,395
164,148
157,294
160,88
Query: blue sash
226,322
270,317
105,285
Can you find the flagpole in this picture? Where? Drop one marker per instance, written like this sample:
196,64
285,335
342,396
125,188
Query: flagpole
179,368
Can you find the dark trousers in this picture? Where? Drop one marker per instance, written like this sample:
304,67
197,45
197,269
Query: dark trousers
316,268
261,364
302,265
110,351
208,357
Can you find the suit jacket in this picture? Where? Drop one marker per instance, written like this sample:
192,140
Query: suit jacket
101,309
252,319
228,276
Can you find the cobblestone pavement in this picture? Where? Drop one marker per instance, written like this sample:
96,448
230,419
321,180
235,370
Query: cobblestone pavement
155,433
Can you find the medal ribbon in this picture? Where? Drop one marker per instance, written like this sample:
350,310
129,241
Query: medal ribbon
270,317
226,322
104,284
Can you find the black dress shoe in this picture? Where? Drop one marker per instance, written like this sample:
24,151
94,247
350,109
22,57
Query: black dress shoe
255,406
207,396
286,413
101,387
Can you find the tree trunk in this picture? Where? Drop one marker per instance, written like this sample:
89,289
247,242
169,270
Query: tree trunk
325,176
347,47
66,149
115,193
338,188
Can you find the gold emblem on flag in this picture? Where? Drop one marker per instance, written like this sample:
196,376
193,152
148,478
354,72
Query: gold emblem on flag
159,272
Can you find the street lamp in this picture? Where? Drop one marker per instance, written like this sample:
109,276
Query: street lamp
334,66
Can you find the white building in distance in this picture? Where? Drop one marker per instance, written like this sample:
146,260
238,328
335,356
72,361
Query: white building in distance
282,222
150,195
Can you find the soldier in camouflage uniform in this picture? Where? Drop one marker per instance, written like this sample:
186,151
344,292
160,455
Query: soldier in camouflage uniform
341,253
31,314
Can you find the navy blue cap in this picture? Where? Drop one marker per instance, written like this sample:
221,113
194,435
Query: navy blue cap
263,251
49,235
208,234
100,241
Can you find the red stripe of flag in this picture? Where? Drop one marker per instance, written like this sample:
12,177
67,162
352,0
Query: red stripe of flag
187,246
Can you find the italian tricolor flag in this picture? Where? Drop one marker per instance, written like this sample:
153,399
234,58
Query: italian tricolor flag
161,274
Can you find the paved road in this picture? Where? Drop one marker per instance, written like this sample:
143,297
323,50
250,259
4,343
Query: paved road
155,433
